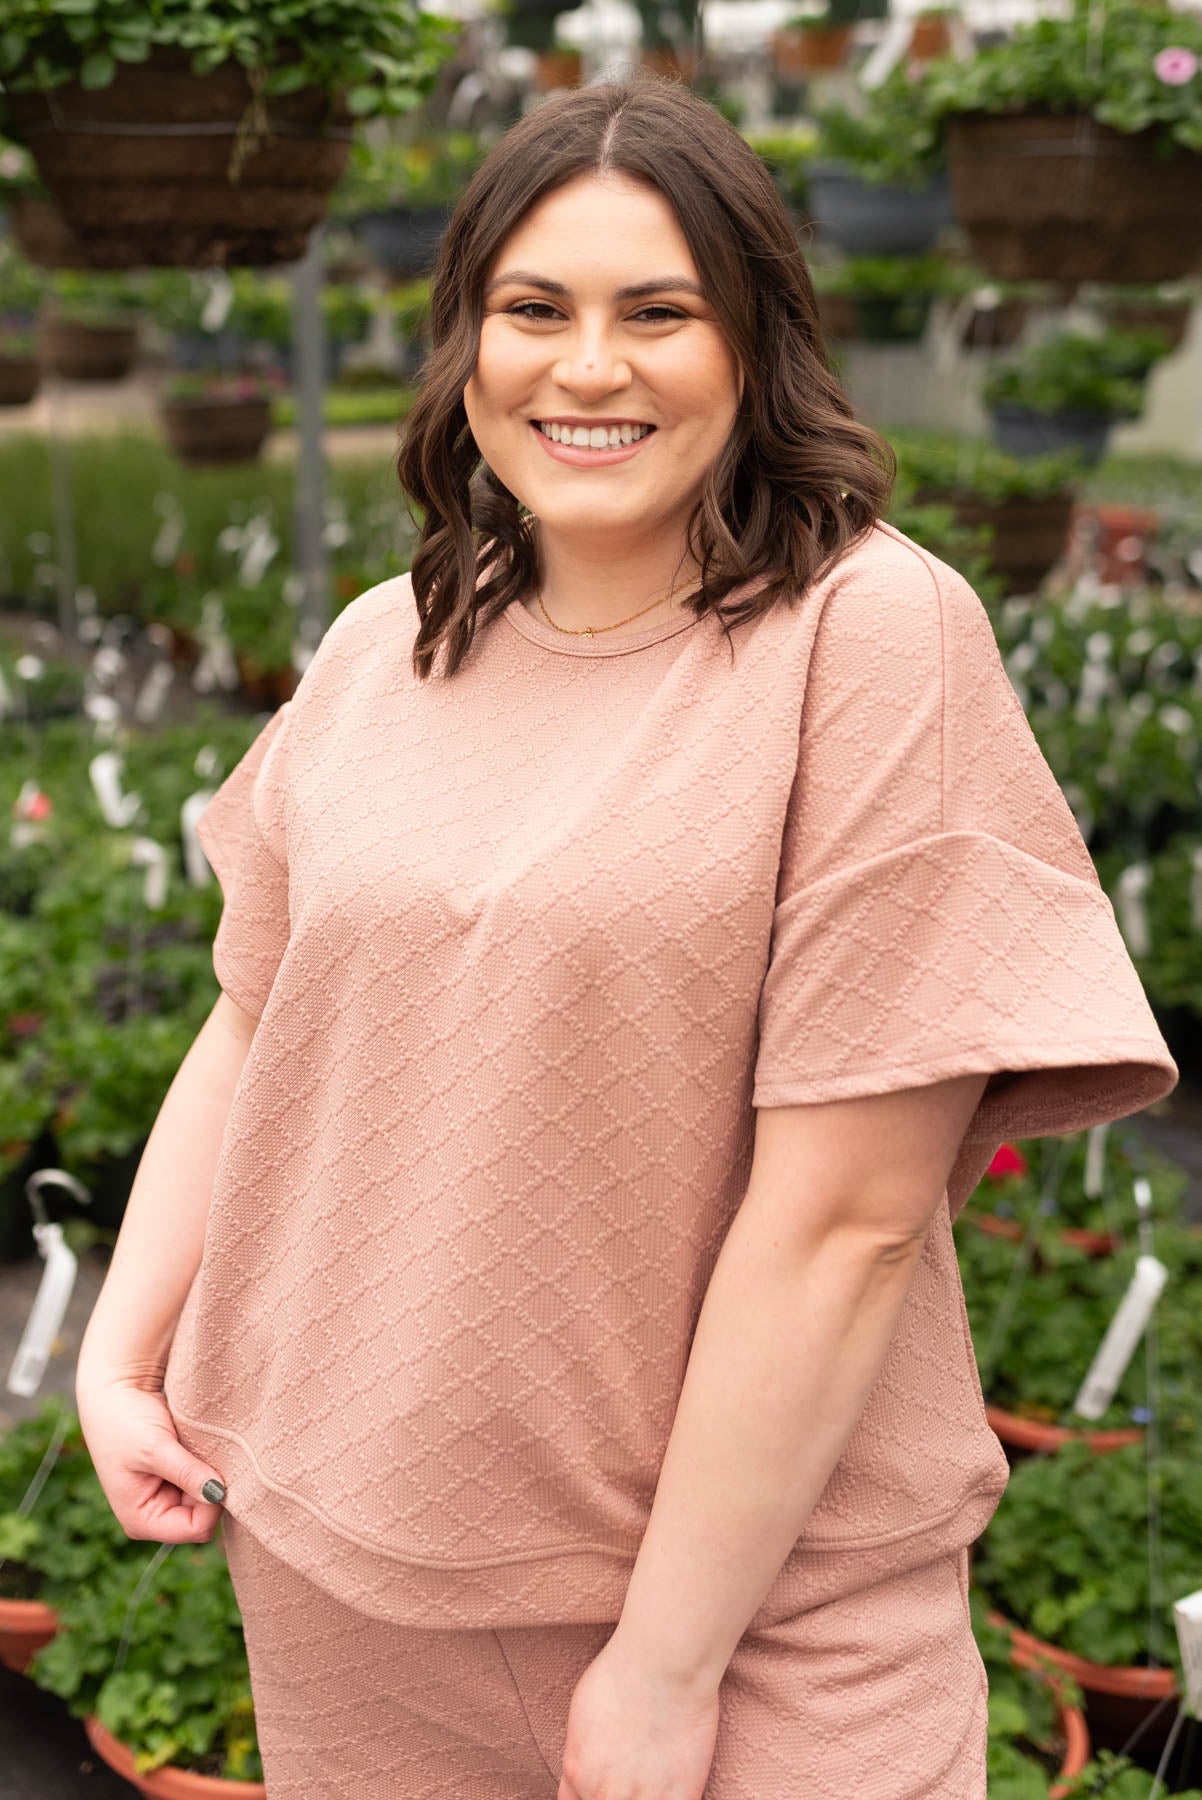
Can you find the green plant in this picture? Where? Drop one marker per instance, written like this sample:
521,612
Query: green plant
974,468
1118,1778
1109,59
1022,1712
891,138
18,344
889,277
383,54
88,297
432,171
216,389
177,1688
22,287
787,156
1066,1555
1082,371
409,304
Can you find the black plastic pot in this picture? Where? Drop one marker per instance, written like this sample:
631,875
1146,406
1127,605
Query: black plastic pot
1022,432
402,240
864,220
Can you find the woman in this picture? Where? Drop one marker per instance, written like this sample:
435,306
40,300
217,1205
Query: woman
551,1228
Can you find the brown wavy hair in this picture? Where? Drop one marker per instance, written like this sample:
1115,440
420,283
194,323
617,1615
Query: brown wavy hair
798,481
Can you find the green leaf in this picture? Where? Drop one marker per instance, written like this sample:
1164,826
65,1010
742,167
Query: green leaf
98,70
364,99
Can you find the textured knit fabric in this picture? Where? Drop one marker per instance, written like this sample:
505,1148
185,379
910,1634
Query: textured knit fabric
527,948
881,1695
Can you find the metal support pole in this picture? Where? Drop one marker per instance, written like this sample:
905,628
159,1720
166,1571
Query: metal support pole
309,365
65,559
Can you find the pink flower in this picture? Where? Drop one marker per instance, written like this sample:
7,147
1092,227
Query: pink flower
1175,65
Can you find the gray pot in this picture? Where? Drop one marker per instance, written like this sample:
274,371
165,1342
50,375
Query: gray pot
863,220
1022,432
402,240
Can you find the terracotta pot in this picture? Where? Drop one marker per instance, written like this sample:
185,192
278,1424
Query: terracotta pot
929,38
19,378
1171,321
137,199
43,235
170,1782
797,52
557,69
185,648
1061,198
669,64
216,431
1033,1435
1094,1243
1115,540
25,1625
1078,1748
1118,1697
83,352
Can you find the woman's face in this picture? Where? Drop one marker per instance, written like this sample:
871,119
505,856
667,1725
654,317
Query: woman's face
562,342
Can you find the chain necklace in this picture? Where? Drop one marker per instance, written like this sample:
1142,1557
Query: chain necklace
592,631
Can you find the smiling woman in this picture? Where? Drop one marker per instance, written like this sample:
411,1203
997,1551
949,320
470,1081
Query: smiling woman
637,998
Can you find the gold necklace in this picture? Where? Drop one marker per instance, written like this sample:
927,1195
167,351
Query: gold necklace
592,631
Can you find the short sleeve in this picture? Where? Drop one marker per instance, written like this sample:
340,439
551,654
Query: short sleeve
937,910
241,833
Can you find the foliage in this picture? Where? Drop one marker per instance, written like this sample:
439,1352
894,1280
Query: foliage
1118,1778
890,138
383,54
975,468
430,172
181,1694
1022,1712
787,155
891,277
1100,59
1066,1557
1080,371
214,388
95,297
18,175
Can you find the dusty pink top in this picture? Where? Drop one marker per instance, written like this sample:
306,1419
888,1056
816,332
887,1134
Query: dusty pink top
528,947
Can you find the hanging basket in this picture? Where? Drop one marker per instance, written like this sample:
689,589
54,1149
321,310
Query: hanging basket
19,378
81,351
42,234
1029,538
1171,321
1021,431
142,168
216,431
170,1781
1034,1437
26,1626
402,241
1046,197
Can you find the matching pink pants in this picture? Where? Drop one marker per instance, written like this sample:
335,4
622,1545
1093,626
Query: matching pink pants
879,1696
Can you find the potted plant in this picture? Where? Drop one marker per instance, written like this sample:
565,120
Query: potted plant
820,41
882,299
787,155
153,1659
215,418
397,198
878,184
1027,504
1083,1603
262,625
998,314
1037,1729
88,326
1075,147
1164,307
58,1532
1069,390
185,135
1010,1194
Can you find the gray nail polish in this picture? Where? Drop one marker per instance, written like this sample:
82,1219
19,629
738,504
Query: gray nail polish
212,1490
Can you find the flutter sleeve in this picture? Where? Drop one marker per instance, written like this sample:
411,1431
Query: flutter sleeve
937,910
241,831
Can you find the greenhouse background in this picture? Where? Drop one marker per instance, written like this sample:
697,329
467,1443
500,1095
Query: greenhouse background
1001,204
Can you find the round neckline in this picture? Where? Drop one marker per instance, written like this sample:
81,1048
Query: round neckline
569,644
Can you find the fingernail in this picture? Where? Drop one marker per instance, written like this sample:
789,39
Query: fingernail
212,1490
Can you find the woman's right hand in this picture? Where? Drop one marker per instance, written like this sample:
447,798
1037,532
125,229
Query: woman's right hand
150,1480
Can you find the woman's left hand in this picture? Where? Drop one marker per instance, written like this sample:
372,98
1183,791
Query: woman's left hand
634,1735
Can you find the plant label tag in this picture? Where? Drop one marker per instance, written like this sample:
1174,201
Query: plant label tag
48,1311
147,853
1132,914
119,809
153,693
1123,1334
1187,1617
220,298
196,864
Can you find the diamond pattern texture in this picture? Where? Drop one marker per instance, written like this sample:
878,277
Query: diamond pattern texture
880,1694
527,949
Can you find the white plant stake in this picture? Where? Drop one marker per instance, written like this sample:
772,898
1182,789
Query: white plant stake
1132,914
58,1280
196,864
152,694
219,301
1095,1159
148,853
119,809
1122,1335
1195,888
1187,1617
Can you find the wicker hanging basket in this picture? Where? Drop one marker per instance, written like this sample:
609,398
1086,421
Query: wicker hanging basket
42,235
167,169
1047,197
